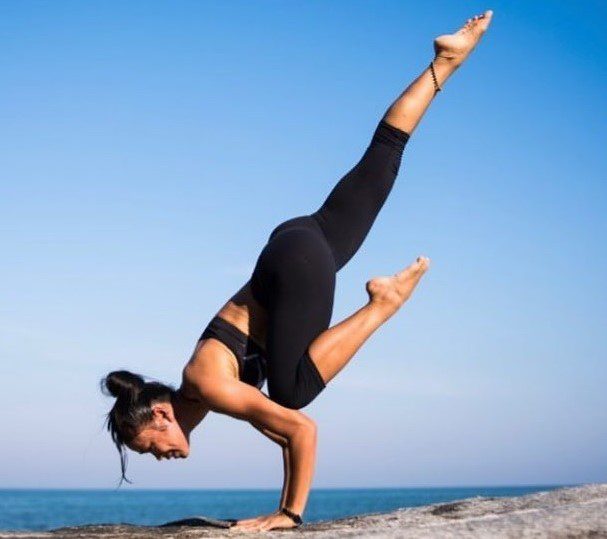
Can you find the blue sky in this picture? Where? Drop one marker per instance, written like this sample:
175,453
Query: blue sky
148,149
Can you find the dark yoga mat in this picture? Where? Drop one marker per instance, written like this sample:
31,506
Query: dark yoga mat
201,521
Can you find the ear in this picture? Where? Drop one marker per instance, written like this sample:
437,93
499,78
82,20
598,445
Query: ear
162,412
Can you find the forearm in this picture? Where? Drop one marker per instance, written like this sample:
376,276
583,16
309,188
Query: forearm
287,475
301,453
284,444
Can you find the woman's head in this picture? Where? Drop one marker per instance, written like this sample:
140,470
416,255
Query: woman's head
143,418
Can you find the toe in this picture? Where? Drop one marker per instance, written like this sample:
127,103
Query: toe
486,19
423,262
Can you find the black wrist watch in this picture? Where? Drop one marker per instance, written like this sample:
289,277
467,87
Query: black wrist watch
294,516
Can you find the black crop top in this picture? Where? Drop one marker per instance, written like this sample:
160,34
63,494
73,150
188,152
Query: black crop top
252,365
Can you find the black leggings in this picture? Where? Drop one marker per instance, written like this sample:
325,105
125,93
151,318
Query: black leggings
294,277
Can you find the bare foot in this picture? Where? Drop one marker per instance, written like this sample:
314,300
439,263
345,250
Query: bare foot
391,292
456,47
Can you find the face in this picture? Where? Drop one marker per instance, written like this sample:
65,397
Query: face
163,436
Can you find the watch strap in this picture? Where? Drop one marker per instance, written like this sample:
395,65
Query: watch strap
293,516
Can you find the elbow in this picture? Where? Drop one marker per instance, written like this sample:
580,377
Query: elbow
311,426
307,428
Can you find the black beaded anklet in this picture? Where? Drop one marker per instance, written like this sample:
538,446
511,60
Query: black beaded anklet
437,88
293,516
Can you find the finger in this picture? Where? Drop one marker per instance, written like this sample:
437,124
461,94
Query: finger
270,524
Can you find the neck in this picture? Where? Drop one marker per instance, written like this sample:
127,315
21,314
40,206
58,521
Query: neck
188,412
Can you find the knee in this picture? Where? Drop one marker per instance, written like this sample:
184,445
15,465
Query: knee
296,396
300,389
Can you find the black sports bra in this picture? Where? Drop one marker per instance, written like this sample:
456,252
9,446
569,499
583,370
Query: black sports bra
252,365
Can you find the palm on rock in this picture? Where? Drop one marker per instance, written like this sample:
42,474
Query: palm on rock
275,521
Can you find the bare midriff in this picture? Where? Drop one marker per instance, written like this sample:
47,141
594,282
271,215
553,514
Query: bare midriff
243,311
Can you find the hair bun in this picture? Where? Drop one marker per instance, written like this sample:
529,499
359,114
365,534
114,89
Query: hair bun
123,385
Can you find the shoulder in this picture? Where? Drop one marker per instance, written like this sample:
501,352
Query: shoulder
211,358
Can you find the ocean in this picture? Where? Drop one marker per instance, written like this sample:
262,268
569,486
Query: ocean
48,509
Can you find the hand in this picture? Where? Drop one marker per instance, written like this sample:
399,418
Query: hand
264,523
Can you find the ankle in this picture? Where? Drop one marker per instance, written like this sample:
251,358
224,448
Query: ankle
380,312
444,67
448,62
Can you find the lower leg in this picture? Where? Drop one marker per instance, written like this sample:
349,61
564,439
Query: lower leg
334,348
451,51
408,109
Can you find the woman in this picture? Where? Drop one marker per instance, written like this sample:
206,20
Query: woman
276,327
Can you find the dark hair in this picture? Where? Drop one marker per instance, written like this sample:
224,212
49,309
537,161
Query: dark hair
132,409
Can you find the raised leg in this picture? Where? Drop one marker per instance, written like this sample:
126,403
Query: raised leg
295,274
333,348
348,213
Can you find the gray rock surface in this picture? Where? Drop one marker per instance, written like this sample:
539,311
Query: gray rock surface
568,512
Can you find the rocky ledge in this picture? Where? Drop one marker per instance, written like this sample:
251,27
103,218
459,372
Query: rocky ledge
568,512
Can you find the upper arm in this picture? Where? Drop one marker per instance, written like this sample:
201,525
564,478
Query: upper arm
246,402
